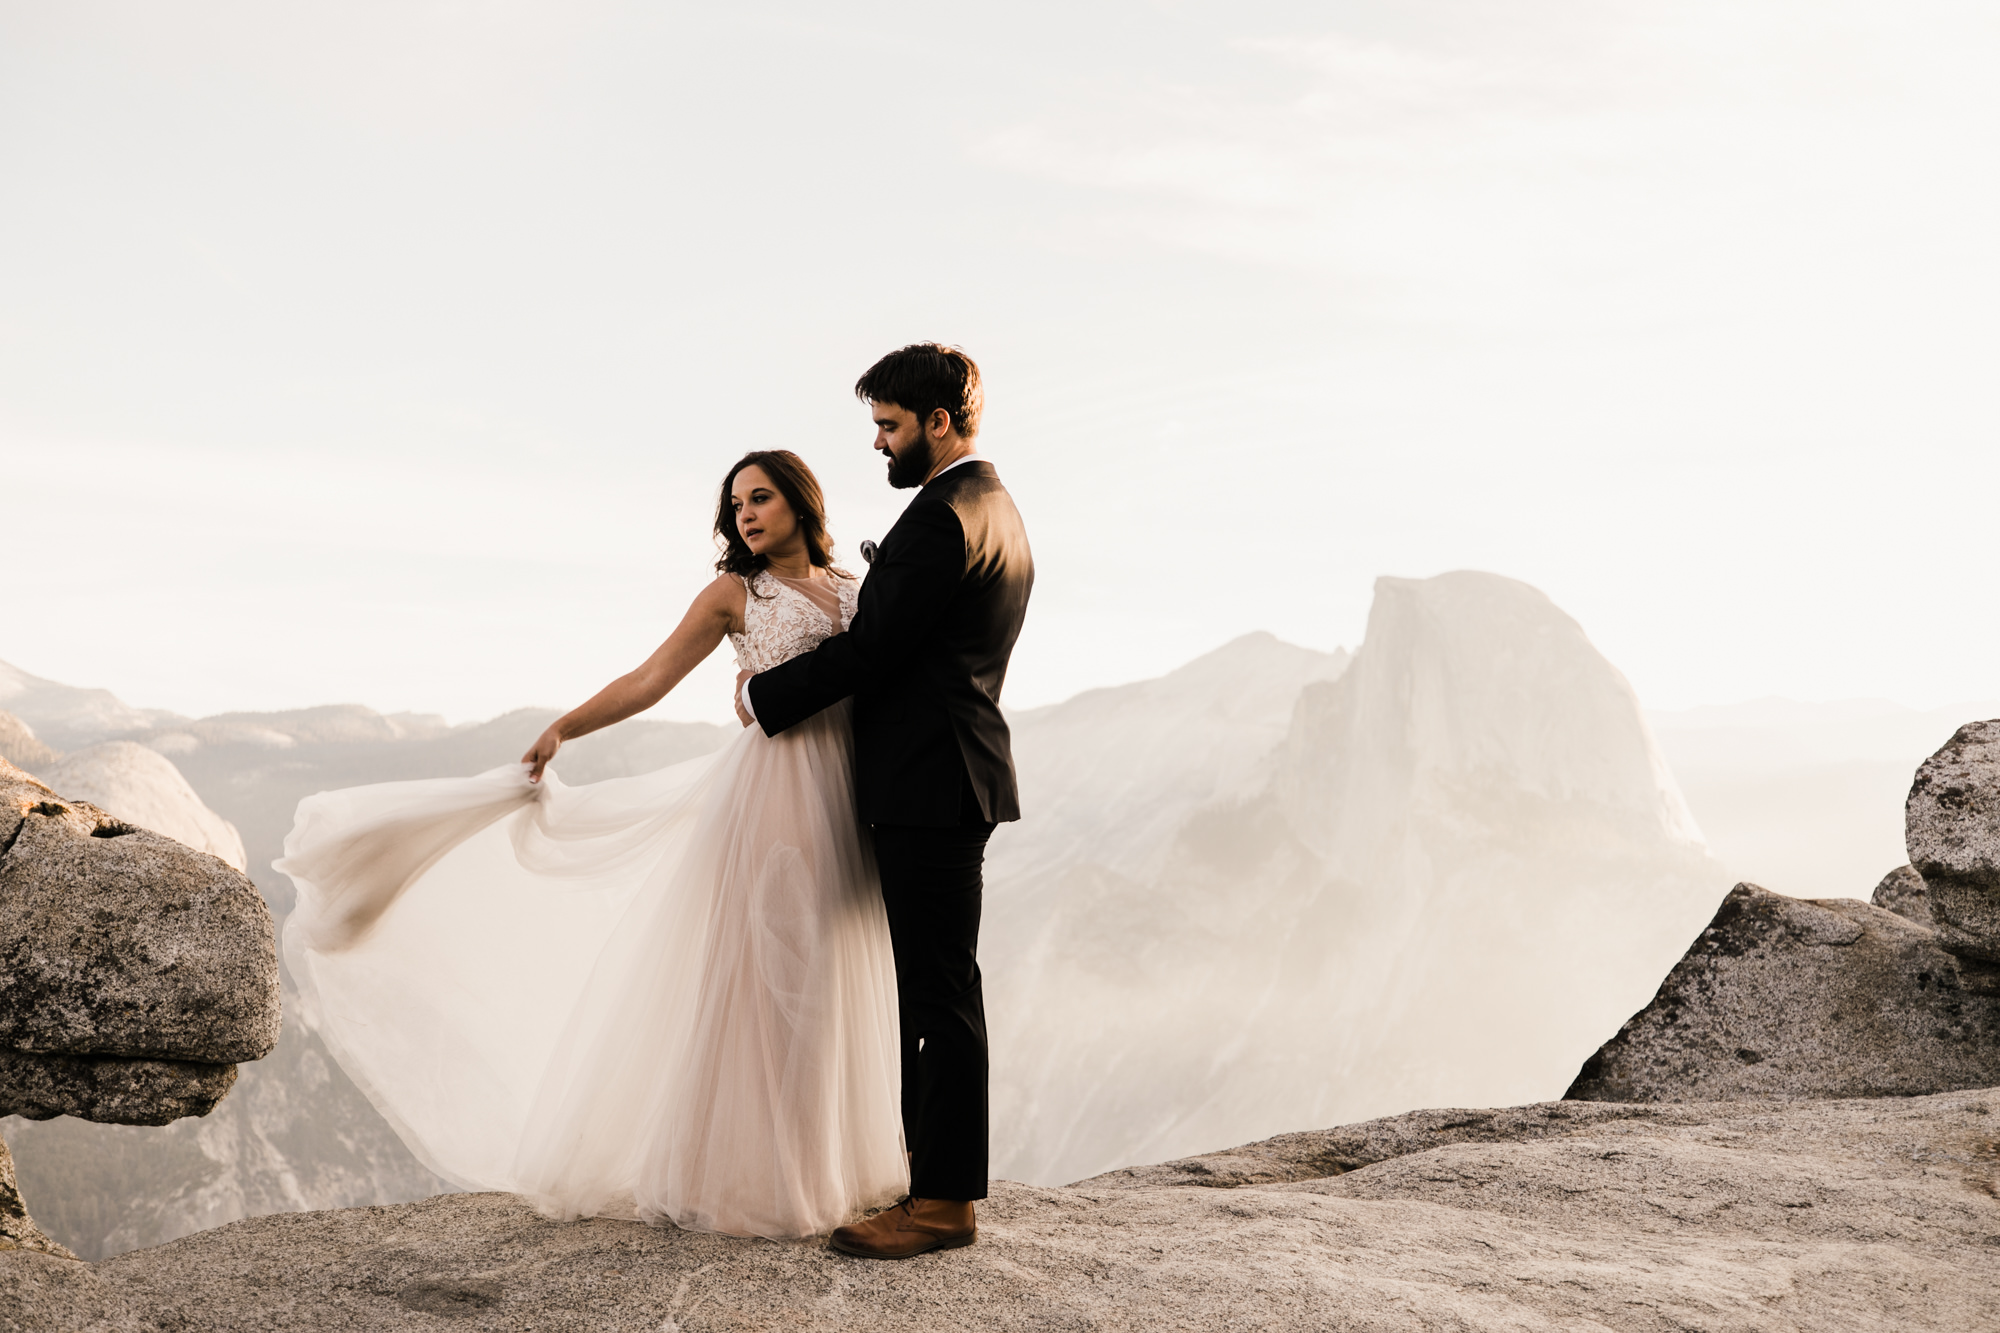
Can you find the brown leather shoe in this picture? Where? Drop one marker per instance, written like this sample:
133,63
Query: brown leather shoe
912,1227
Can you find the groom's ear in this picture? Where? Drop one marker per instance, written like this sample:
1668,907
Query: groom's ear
938,424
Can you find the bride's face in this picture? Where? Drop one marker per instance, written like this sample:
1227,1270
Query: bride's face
763,519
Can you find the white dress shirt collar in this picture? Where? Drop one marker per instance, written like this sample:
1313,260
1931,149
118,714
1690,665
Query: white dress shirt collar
960,462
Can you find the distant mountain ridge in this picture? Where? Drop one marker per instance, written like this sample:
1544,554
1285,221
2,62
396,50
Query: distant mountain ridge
67,717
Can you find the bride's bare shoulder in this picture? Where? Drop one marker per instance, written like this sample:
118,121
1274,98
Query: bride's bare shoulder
723,599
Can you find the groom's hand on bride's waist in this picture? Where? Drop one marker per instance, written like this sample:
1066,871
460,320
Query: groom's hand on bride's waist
743,713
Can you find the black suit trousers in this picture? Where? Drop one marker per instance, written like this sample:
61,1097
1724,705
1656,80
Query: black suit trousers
931,886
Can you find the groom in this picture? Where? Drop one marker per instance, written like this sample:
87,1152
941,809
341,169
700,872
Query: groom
924,660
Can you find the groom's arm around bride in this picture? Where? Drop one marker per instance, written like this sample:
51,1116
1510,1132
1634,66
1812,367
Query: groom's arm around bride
924,661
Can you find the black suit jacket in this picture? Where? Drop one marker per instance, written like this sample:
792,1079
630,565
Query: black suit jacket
925,657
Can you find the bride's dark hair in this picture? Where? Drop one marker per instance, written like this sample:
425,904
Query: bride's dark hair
796,482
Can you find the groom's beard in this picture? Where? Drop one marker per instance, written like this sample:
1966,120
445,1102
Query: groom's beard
911,468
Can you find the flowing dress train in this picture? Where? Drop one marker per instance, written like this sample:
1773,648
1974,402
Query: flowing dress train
665,997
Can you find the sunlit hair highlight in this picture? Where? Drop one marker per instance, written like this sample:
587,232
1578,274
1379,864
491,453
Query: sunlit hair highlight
923,377
796,482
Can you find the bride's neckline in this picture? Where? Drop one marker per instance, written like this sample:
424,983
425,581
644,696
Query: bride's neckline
822,594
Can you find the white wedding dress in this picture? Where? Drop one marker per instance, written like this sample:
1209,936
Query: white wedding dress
667,997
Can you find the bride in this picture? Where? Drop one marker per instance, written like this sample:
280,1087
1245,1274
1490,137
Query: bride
666,997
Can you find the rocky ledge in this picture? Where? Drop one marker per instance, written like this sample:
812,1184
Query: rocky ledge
135,973
1801,998
1567,1215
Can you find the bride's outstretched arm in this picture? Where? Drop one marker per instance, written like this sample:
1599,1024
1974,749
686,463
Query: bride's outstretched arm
716,612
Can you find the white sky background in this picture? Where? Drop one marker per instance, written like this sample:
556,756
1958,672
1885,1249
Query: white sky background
392,352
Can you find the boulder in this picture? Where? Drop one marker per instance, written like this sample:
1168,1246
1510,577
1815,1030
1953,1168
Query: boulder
1793,998
115,941
1734,1218
1951,826
1902,892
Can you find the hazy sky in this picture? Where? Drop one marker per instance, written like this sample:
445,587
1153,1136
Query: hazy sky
392,352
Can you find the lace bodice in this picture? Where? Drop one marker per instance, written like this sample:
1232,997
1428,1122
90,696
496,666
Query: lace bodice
780,622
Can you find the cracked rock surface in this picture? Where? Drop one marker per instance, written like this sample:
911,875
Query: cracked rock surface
1831,1215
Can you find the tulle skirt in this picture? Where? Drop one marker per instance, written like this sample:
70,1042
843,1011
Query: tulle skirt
667,997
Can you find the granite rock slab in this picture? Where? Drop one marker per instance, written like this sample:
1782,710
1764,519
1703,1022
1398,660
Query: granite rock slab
1802,998
1830,1216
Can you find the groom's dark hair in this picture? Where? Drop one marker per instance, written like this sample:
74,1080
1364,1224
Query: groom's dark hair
923,377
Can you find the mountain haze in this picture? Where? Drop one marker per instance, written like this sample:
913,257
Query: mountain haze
1461,864
1806,799
1109,774
65,716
